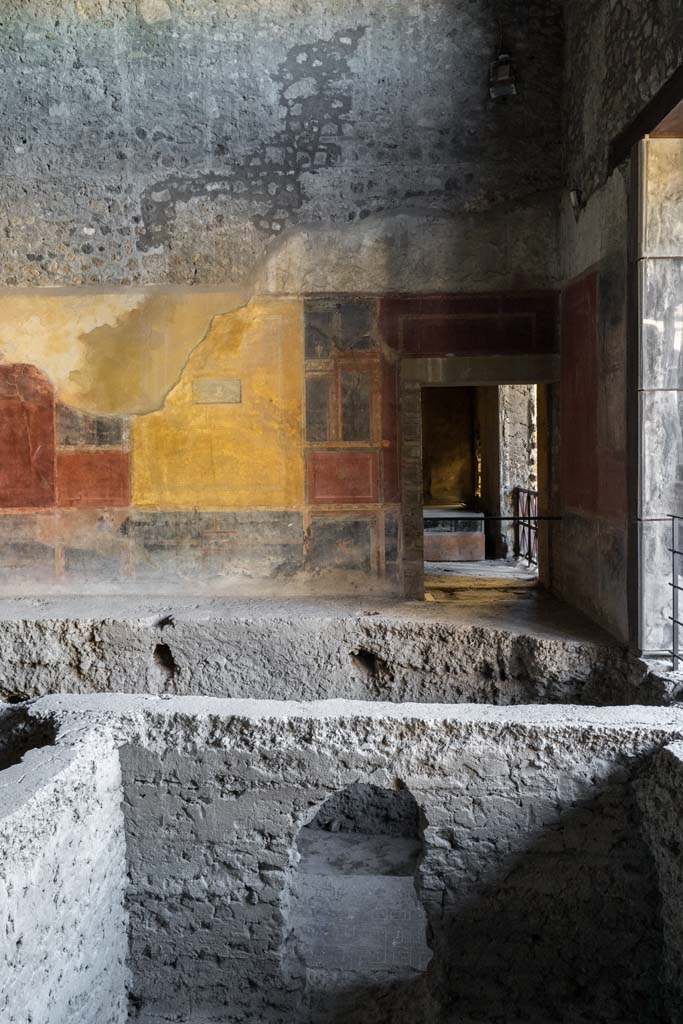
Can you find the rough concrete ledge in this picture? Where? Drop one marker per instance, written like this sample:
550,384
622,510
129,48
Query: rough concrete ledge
395,651
187,723
62,877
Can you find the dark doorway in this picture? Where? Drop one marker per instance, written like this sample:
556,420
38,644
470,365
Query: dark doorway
480,480
357,929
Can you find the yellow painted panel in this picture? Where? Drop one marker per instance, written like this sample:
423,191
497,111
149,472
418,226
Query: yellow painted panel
110,353
224,444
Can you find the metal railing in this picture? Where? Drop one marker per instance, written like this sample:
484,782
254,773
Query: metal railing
526,525
676,588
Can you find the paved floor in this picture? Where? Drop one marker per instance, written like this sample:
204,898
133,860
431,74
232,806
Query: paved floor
492,594
503,595
497,569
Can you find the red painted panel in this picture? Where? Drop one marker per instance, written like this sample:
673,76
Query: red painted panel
27,438
468,336
505,323
579,396
93,478
342,477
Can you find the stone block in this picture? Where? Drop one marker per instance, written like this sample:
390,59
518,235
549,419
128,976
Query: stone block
661,476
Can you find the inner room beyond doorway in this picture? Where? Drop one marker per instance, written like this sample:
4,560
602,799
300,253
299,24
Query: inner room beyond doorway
480,488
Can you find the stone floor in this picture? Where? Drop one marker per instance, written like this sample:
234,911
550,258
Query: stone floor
493,569
507,603
505,595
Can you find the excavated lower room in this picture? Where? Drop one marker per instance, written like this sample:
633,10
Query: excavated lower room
204,860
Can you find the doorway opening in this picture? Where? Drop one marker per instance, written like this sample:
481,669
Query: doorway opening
358,930
480,488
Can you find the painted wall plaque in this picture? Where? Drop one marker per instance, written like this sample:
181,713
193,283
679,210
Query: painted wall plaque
214,391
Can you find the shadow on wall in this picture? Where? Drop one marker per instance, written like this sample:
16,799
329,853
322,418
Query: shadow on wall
18,734
567,929
521,890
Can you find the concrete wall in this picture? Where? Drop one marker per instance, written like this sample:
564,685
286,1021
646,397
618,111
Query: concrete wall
590,558
62,877
659,796
534,874
309,651
347,153
617,57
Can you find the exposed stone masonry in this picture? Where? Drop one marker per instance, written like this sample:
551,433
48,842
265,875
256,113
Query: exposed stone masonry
619,54
155,143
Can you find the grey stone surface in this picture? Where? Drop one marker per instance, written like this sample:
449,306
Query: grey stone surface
355,921
534,870
152,142
590,568
62,876
619,55
662,324
357,853
656,605
597,240
659,797
311,650
508,246
661,476
660,441
662,232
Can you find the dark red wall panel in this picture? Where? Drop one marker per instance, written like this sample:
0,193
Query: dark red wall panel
93,478
27,438
579,396
342,477
612,499
469,325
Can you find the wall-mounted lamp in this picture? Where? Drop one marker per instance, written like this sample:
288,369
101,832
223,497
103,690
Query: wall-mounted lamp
502,78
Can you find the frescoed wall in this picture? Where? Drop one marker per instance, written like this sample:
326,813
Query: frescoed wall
191,441
229,433
198,443
212,213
